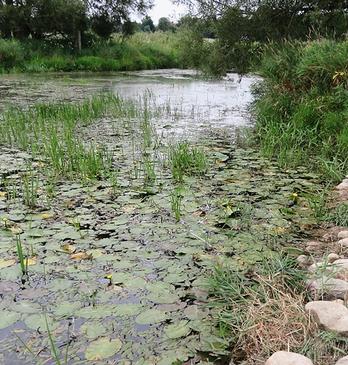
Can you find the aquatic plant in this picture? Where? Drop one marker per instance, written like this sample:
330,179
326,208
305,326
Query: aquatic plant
186,160
29,187
23,260
176,202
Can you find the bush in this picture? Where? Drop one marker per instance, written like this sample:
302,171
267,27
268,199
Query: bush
141,51
11,54
302,107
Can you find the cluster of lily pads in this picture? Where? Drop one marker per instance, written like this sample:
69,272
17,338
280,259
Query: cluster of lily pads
107,262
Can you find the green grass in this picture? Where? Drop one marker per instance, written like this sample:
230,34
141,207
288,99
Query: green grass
186,160
302,106
176,203
50,132
262,311
141,51
23,262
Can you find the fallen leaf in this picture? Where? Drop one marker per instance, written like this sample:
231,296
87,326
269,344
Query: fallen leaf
81,256
68,248
6,263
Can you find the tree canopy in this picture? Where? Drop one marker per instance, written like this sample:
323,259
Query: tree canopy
273,19
42,18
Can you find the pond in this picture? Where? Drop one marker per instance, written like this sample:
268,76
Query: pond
115,211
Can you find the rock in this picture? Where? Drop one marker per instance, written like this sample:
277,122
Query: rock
332,257
288,358
344,242
343,185
343,361
320,266
331,316
342,235
304,260
328,288
341,264
314,246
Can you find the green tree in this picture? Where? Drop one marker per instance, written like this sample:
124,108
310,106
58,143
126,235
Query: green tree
147,24
165,25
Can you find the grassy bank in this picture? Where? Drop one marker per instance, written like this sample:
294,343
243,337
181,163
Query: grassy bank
303,104
141,51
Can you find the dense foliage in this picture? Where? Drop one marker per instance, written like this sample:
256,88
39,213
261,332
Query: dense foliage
303,106
140,51
65,18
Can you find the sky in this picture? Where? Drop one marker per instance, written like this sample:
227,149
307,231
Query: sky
165,8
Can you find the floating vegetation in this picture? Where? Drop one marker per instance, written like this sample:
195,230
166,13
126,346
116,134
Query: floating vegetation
91,194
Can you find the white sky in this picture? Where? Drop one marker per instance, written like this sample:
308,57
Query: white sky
165,8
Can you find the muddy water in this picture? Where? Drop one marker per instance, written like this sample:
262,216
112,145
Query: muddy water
113,278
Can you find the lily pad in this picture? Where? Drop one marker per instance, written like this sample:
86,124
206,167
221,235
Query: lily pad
8,319
103,348
151,316
177,330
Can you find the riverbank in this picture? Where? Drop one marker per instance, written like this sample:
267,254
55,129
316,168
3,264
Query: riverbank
302,107
141,51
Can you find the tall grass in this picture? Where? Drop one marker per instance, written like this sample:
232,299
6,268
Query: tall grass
262,311
186,160
302,106
50,132
141,51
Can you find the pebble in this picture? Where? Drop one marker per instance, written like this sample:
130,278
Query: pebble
343,185
314,246
332,257
344,242
331,316
288,358
342,235
328,287
304,260
343,361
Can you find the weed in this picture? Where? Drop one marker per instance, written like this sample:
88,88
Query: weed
30,186
23,261
176,201
186,161
339,215
301,107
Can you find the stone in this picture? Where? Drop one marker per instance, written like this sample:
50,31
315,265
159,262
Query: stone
343,185
328,288
341,264
320,267
314,246
343,361
304,260
344,242
331,316
288,358
332,257
342,235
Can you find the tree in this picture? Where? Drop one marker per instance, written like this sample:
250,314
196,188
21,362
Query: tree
147,24
165,25
274,19
110,15
68,18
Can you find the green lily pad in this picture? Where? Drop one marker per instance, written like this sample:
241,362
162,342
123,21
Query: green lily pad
103,348
65,309
177,330
151,316
38,321
8,319
93,330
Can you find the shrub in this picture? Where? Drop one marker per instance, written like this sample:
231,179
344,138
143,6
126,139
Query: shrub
302,106
11,54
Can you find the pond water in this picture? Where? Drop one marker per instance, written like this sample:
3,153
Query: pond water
117,267
195,102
